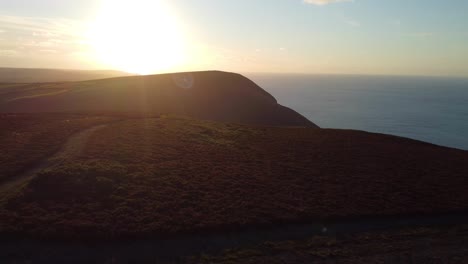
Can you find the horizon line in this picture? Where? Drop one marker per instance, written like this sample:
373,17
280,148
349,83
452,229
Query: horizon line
455,76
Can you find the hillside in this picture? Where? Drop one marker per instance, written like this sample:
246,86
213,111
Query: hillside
26,139
26,75
216,96
143,162
154,176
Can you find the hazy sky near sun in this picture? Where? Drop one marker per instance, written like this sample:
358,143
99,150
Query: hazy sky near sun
416,37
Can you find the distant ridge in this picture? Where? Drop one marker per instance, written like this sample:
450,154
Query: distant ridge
30,75
211,95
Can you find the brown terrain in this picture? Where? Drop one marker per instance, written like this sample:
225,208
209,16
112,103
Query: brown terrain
136,158
152,176
219,96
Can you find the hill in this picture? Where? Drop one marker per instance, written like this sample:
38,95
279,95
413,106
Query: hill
114,160
213,95
26,75
154,176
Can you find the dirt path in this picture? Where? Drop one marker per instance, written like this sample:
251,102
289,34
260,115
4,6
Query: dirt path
72,148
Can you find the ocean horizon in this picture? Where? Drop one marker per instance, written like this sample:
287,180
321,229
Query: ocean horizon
430,109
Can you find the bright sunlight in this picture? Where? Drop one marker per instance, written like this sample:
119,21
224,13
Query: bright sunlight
137,36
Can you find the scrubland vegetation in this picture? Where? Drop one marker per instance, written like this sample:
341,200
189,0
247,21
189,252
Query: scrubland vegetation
419,245
159,176
25,139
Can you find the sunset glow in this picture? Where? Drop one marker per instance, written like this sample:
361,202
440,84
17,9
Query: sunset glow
294,36
137,36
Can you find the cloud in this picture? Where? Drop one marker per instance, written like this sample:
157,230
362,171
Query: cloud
325,2
353,23
31,36
41,26
8,53
48,51
395,22
421,34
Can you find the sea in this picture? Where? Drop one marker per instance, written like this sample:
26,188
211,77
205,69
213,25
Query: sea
430,109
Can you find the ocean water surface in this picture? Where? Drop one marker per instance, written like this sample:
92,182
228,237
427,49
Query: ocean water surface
431,109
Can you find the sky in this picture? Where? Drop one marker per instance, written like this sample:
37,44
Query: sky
398,37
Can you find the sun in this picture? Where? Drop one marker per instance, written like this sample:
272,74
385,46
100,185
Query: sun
137,36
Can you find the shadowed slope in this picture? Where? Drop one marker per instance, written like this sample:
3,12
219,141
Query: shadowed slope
26,139
213,95
72,148
147,177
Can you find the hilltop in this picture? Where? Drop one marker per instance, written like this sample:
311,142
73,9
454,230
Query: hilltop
211,95
29,75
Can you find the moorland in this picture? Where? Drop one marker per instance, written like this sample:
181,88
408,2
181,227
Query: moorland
206,153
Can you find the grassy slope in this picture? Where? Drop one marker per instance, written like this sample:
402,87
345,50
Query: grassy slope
153,176
117,95
26,139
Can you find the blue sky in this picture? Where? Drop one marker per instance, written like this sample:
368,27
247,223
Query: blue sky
357,37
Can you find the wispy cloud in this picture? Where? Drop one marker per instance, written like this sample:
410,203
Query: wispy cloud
325,2
8,53
353,23
421,34
350,21
31,36
395,22
41,26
